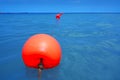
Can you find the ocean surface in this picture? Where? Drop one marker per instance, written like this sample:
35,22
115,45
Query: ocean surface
90,45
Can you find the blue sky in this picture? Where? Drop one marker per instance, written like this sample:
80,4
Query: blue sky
59,5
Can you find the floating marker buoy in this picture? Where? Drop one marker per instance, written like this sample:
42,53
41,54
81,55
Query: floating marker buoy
41,49
58,16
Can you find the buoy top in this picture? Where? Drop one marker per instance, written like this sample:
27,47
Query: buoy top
41,46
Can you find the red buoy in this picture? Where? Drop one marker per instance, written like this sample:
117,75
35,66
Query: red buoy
41,47
58,16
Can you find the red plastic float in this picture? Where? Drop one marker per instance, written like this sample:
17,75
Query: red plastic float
41,46
58,16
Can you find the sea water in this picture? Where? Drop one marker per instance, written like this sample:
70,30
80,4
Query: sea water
90,45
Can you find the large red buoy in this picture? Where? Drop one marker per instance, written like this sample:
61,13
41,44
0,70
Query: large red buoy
41,47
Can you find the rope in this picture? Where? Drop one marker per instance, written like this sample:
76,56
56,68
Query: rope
40,68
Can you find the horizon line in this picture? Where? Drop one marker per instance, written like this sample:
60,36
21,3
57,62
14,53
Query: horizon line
50,12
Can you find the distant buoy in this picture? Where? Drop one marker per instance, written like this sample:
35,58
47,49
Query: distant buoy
58,16
41,47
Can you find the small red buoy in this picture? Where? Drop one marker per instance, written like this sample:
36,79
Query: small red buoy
41,47
58,16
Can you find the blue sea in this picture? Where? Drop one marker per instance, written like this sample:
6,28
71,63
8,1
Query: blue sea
90,45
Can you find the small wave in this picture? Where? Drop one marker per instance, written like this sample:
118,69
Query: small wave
7,58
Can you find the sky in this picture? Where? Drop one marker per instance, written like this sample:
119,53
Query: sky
59,6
